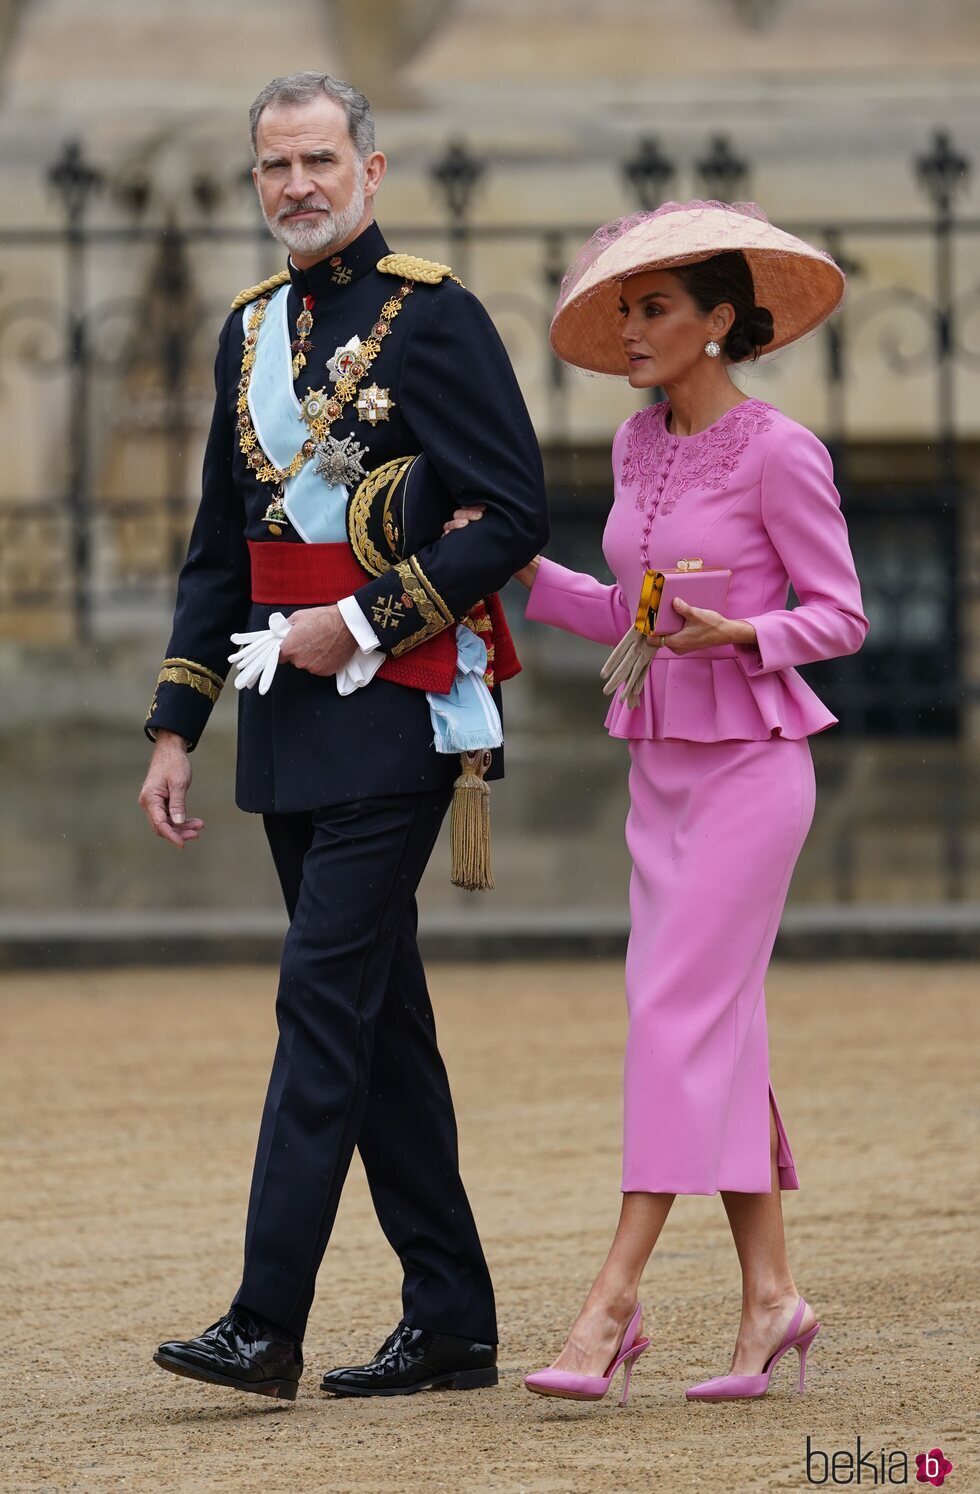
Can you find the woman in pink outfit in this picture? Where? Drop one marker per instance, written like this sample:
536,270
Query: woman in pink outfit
721,780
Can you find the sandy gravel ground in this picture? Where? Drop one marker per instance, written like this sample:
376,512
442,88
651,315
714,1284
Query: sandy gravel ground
129,1107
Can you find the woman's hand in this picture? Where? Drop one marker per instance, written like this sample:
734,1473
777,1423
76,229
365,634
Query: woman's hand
463,516
527,573
706,629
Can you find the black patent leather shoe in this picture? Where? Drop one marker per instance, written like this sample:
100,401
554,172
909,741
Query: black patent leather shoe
240,1352
415,1359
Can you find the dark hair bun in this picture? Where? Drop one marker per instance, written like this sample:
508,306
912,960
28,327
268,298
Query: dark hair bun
749,334
727,279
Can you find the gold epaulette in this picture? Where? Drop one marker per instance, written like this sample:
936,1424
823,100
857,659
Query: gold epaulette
410,267
254,291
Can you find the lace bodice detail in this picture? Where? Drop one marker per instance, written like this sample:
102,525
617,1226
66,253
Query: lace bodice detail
662,467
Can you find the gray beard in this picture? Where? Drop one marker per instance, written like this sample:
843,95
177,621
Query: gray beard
325,232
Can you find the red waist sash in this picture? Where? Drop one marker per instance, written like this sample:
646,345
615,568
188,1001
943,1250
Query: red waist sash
296,575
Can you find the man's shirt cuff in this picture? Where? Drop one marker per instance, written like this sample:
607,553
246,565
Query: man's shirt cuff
364,635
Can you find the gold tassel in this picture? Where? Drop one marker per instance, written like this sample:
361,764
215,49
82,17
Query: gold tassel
469,825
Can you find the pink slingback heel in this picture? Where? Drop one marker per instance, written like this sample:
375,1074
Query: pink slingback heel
577,1387
750,1387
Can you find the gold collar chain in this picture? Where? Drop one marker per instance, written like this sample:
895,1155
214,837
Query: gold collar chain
319,410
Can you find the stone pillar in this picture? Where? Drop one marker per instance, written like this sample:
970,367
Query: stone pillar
377,40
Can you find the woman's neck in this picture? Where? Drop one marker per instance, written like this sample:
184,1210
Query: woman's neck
696,403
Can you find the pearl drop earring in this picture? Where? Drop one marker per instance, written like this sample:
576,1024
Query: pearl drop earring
712,348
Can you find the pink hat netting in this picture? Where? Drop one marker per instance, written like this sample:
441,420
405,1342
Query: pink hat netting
608,233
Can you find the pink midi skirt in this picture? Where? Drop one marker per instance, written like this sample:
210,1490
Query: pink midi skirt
714,830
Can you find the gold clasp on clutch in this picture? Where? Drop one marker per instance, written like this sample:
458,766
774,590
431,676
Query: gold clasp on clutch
689,565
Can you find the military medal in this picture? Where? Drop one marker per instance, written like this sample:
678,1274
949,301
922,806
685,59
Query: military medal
318,410
301,344
312,407
374,404
340,462
345,361
275,515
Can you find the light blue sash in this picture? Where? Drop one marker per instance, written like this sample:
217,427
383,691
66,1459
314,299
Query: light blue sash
465,719
316,509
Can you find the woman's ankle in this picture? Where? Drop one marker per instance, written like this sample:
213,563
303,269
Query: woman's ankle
615,1298
769,1297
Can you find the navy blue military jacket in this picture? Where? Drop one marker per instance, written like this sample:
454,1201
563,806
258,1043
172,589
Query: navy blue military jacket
456,399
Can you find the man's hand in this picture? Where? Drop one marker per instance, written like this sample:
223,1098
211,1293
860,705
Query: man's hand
318,641
163,797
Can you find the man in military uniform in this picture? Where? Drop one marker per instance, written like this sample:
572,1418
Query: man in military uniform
337,381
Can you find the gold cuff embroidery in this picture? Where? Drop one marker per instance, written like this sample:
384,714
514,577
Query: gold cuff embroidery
186,672
433,620
443,608
198,668
387,612
180,676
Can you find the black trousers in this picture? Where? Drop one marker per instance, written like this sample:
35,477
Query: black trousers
357,1065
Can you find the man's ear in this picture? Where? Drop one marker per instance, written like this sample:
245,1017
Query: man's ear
375,167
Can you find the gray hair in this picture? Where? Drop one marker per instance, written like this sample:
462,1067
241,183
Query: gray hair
303,88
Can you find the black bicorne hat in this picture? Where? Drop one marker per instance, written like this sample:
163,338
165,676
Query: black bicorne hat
395,510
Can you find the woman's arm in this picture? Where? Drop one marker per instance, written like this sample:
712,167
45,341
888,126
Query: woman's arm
578,603
802,514
565,599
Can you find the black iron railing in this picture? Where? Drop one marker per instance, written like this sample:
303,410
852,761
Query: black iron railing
91,543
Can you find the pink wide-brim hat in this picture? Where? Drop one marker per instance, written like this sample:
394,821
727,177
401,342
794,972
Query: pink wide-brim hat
800,285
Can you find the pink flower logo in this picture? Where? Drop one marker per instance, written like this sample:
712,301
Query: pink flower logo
933,1467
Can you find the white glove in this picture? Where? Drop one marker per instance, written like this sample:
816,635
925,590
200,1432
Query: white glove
627,665
359,670
258,658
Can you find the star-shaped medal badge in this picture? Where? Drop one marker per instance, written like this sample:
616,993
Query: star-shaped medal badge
374,404
312,405
341,462
343,359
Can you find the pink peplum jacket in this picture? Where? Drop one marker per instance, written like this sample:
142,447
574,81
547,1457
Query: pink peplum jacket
754,494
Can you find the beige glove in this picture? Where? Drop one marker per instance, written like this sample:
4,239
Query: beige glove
627,665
